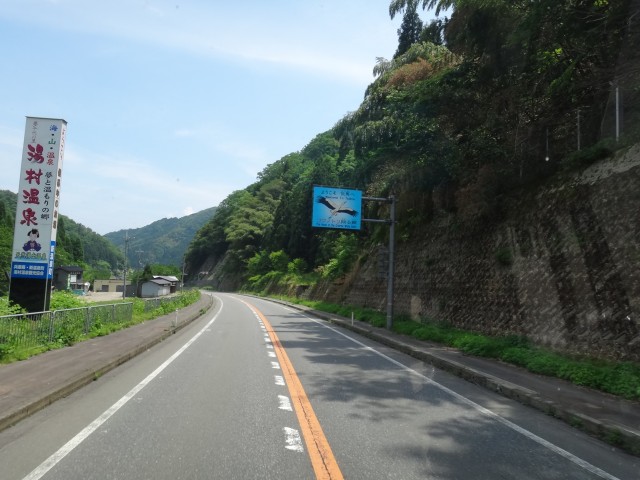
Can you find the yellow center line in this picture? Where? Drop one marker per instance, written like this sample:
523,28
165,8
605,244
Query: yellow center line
322,459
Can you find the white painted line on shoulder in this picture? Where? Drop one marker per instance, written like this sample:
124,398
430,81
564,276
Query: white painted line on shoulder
293,440
285,403
489,413
279,380
68,447
275,365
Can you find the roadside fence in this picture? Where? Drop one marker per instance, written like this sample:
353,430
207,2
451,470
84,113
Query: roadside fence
31,330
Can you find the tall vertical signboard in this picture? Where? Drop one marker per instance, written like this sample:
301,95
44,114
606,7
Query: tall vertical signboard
34,238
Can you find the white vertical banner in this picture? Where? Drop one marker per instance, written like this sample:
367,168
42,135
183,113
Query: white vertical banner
34,239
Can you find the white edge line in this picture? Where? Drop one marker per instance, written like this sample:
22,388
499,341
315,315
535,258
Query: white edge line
530,435
67,448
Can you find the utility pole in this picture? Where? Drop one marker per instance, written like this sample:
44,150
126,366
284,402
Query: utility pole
183,274
124,273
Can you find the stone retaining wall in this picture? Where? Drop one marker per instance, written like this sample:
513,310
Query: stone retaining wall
562,267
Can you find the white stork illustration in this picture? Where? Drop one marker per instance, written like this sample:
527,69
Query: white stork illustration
336,210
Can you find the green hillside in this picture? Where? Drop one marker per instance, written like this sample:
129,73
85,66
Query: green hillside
75,245
498,97
162,242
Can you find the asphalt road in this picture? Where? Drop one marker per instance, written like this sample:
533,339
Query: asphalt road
257,390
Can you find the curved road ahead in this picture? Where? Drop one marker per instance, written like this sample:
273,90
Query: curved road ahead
257,390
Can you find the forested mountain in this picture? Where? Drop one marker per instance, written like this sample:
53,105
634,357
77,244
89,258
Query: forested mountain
75,245
162,242
496,97
7,199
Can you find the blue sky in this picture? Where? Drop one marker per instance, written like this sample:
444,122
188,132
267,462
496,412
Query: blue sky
173,105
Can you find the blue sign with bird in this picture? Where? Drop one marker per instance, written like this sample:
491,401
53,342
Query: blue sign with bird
336,208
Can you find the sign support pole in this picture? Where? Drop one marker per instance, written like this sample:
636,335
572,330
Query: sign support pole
390,273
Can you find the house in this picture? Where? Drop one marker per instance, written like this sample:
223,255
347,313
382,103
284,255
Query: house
113,285
69,278
171,279
155,287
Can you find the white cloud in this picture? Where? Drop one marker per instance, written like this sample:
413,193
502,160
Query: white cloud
222,143
123,190
173,105
302,39
185,132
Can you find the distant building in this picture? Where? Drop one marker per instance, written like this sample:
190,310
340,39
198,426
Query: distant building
69,278
113,285
173,281
156,287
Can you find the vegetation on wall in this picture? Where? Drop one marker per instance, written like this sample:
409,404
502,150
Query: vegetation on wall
494,97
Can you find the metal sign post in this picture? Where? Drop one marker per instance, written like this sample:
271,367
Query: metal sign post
390,273
340,208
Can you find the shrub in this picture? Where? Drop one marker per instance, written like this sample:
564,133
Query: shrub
544,363
478,345
7,308
62,299
297,266
279,261
581,158
517,356
346,251
5,350
406,328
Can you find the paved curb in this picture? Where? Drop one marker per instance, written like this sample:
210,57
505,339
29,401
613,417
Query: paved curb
622,437
75,383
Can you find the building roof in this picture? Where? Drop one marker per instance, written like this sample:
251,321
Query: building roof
169,278
158,281
70,268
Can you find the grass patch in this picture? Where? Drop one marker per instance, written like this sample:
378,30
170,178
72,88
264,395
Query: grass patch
74,330
617,378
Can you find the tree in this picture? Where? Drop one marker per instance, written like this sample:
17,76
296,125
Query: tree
259,264
459,111
435,31
398,6
279,261
410,29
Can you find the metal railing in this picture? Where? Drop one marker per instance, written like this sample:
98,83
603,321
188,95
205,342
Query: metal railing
153,303
31,330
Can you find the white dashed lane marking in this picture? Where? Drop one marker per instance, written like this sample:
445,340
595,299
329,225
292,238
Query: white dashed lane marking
285,403
293,440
